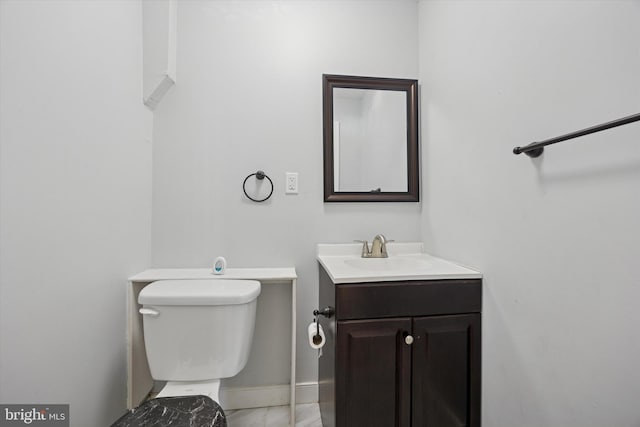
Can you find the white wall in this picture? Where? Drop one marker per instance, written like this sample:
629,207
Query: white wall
75,200
556,237
156,35
250,97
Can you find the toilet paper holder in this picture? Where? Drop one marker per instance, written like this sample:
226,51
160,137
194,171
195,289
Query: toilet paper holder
327,312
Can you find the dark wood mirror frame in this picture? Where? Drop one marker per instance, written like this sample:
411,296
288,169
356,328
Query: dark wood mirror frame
329,82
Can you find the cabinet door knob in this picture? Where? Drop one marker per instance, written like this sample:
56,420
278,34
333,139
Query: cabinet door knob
408,340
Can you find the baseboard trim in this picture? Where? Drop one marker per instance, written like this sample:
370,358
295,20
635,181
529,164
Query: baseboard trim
306,392
261,396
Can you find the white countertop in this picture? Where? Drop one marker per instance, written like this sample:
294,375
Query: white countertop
272,274
406,261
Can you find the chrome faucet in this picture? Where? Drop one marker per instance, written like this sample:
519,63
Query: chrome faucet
378,247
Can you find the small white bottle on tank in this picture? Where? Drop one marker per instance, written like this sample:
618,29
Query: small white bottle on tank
219,265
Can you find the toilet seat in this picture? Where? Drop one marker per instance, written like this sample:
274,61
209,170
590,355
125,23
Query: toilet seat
196,411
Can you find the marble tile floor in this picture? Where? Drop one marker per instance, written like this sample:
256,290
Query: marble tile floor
307,415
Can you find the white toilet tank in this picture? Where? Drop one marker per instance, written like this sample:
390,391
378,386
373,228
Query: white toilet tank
198,329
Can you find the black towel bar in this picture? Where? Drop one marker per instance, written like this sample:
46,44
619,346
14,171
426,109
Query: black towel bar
536,148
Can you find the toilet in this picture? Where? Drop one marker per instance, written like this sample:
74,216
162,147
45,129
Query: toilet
197,332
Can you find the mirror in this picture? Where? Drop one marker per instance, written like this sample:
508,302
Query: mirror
370,139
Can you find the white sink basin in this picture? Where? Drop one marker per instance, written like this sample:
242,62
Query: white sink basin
399,263
406,261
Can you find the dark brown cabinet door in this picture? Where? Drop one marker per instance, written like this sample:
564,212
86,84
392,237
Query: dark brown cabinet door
446,371
373,373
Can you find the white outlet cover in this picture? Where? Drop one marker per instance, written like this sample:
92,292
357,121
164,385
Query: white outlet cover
291,183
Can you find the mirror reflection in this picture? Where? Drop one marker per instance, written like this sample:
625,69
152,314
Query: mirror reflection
369,140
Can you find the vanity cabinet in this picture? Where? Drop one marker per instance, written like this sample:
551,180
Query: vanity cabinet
401,353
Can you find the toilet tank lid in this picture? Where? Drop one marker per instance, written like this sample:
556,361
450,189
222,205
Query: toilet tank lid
200,292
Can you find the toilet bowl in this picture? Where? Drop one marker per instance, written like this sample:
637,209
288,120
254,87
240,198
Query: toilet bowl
197,332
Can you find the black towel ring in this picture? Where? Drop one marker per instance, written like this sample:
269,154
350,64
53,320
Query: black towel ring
260,175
